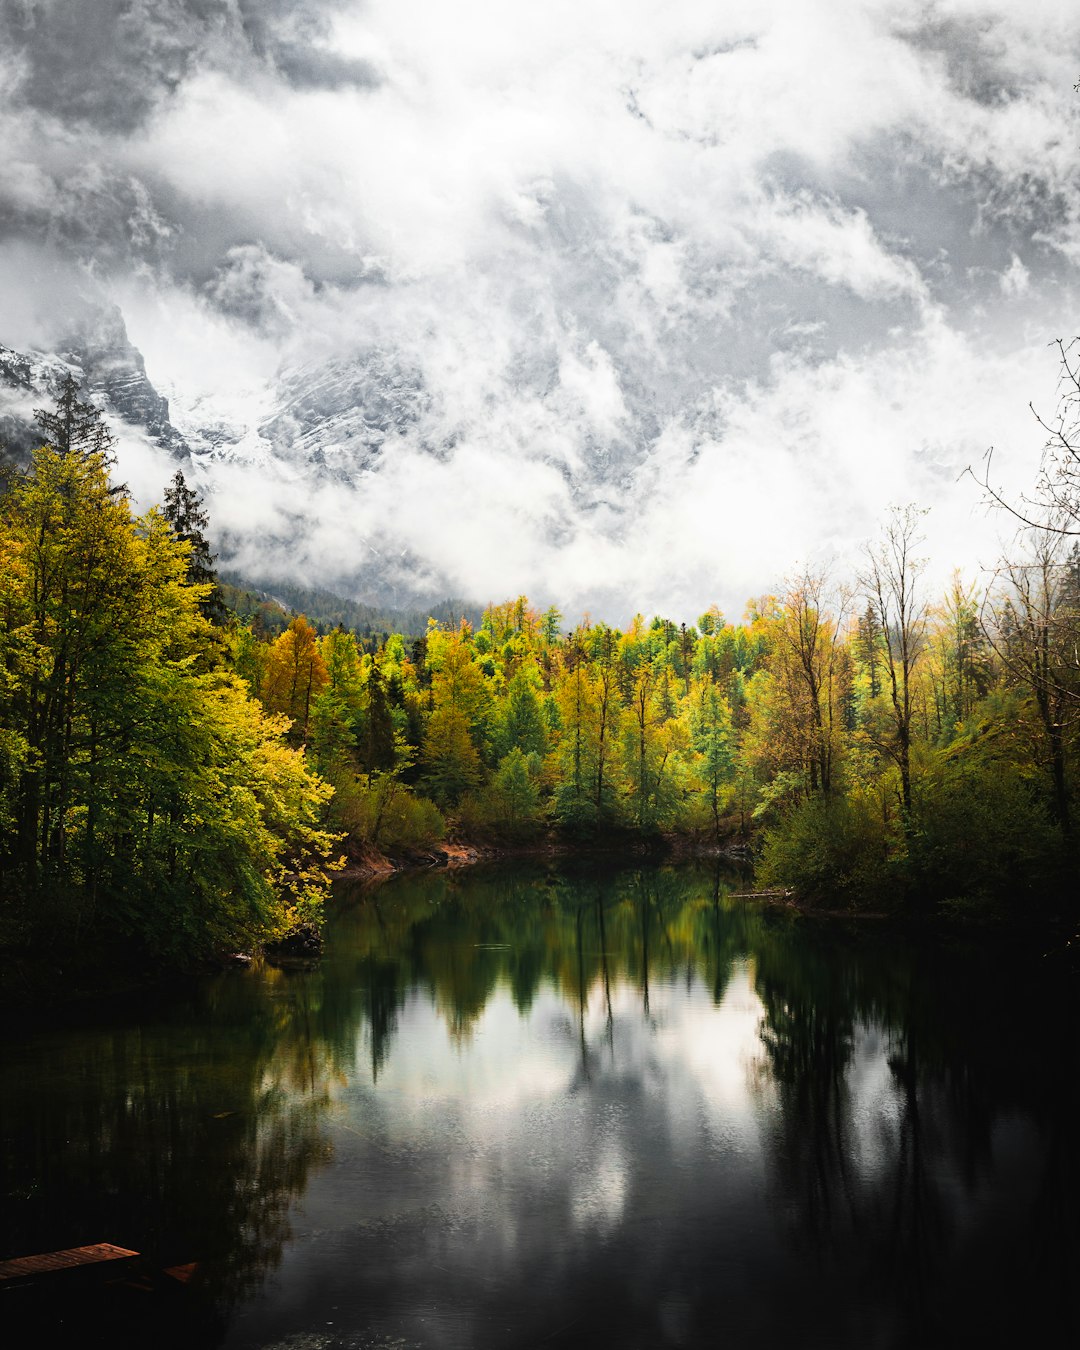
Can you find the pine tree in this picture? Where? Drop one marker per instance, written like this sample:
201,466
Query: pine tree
376,741
74,427
184,511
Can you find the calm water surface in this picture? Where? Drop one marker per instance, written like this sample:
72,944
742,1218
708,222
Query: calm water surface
520,1108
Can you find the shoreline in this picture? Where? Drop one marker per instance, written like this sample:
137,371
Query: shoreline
35,985
371,864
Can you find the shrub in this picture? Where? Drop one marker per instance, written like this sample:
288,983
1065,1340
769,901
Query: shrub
833,850
382,811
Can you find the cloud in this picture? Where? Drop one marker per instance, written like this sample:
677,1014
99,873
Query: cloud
259,289
569,298
110,64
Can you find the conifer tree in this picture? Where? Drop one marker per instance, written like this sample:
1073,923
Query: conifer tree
184,511
376,741
75,427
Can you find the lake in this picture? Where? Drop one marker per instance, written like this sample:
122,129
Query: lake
520,1106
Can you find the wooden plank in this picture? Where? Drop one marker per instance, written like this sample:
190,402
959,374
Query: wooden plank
183,1274
54,1263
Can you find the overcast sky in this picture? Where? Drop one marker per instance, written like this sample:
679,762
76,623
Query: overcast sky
685,294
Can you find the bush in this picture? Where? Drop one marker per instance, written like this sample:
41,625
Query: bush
980,842
382,811
981,835
832,850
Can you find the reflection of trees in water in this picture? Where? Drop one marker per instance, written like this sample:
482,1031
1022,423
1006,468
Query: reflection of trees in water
889,1073
862,1192
808,1047
916,1230
190,1141
870,1184
463,938
185,1139
879,1190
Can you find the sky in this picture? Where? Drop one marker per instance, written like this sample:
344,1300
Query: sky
623,304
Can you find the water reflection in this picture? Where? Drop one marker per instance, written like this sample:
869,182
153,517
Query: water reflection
185,1137
526,1106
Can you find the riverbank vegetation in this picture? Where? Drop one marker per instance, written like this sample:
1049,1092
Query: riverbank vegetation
184,777
146,798
878,749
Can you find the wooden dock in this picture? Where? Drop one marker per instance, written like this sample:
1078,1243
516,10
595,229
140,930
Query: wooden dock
59,1263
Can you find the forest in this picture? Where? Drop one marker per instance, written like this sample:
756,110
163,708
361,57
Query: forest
185,779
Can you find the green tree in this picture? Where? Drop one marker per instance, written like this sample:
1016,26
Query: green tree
183,509
75,427
460,704
377,743
146,799
145,792
521,721
713,740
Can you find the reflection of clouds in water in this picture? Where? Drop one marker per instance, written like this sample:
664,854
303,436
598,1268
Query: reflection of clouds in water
685,1160
499,1066
511,1109
690,1052
599,1201
877,1102
720,1046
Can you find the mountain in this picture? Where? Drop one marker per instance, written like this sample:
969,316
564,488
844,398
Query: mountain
327,610
111,371
330,423
280,470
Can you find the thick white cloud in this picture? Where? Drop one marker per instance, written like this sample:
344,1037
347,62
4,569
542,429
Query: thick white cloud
685,292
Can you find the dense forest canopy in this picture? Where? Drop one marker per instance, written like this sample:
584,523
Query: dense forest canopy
178,773
143,792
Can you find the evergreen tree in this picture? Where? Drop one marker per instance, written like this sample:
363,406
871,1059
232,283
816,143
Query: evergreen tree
75,427
521,721
376,743
184,511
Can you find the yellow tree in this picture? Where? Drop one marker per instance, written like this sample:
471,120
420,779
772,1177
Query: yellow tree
807,658
152,795
577,701
644,746
460,701
295,675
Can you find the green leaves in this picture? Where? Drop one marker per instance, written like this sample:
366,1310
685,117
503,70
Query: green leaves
142,791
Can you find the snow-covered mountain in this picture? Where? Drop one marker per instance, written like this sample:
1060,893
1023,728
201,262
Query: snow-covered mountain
111,371
351,471
316,432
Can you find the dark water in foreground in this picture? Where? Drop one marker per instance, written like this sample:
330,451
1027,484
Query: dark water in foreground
518,1109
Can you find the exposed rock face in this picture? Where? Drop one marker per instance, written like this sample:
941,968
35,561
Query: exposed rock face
28,380
339,415
115,375
111,371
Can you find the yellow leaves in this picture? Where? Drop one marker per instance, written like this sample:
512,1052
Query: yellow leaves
130,767
260,805
294,675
